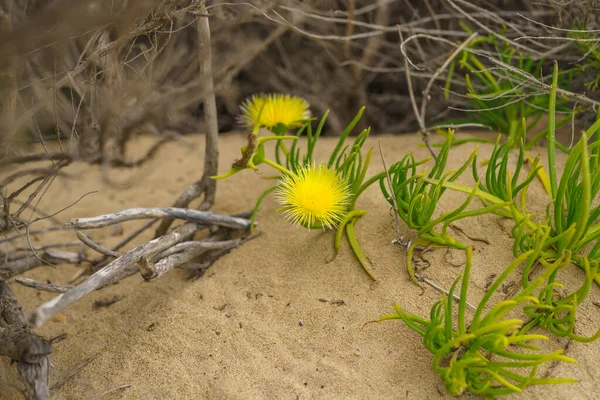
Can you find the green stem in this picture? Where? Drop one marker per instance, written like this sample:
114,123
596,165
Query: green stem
462,305
543,133
585,198
492,289
343,136
458,187
552,131
483,196
347,218
276,166
284,149
365,185
356,247
257,205
348,223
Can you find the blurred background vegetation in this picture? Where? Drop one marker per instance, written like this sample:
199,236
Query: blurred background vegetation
93,73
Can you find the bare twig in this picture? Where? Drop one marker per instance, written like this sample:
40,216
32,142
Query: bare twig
490,31
211,150
47,246
12,268
101,262
115,389
95,246
399,236
201,217
437,287
413,101
580,97
72,372
34,158
44,287
437,73
208,261
32,232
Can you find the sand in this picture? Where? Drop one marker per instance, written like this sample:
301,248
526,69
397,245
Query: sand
273,319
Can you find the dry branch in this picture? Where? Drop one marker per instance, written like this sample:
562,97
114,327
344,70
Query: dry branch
31,232
95,246
151,271
21,344
201,217
155,257
101,262
211,150
56,156
120,268
205,185
49,257
44,287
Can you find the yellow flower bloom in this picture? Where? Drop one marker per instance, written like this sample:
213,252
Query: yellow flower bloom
314,196
277,109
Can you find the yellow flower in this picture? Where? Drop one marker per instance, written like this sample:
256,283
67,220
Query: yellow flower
277,109
314,196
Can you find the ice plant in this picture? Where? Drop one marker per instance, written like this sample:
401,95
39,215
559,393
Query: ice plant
557,312
348,163
253,153
490,356
314,196
503,98
275,111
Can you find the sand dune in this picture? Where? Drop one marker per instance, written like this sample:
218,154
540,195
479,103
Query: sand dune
273,319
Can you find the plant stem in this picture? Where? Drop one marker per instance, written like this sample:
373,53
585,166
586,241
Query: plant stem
365,185
552,131
356,247
276,166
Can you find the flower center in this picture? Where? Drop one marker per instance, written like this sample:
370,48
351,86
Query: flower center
314,196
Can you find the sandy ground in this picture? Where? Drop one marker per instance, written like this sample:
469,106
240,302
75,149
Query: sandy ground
272,319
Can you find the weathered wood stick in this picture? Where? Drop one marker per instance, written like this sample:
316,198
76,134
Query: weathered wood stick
104,260
12,268
151,271
201,217
113,272
21,344
95,246
16,267
44,287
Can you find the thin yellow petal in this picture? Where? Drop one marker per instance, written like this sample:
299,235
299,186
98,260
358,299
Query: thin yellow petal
314,196
277,109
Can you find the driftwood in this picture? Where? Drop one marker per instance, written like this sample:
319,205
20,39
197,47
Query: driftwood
44,287
153,259
95,246
202,217
118,269
178,256
49,257
22,345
